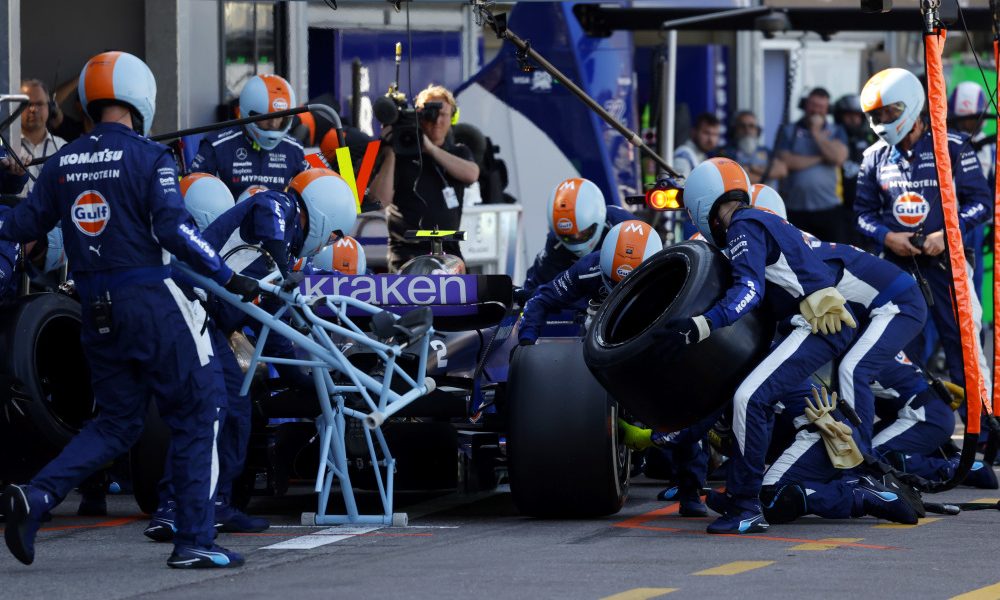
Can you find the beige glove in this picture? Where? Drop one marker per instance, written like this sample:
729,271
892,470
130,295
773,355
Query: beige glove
840,446
826,310
957,394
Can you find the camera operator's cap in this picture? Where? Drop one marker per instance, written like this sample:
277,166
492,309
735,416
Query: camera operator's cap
329,205
577,212
627,244
264,94
121,77
343,256
205,197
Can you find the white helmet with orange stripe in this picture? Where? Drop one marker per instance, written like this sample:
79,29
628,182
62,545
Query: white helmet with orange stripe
250,191
119,77
714,181
329,206
892,99
576,215
766,198
343,256
205,197
626,246
266,94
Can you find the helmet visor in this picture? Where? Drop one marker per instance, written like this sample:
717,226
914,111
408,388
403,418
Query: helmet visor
886,114
277,124
580,236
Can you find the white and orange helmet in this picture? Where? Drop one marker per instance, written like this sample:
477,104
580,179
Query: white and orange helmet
576,215
626,246
250,191
892,99
266,94
766,198
329,205
713,181
119,77
205,197
343,256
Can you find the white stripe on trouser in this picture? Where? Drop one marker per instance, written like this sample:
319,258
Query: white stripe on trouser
804,440
215,455
905,419
771,363
881,317
195,317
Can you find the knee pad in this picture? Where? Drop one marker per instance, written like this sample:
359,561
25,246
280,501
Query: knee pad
783,503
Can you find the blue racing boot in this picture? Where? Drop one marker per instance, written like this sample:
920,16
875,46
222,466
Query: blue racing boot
873,498
667,494
24,506
981,476
161,527
691,504
718,501
232,520
742,515
196,557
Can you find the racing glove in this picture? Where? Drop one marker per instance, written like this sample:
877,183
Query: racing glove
840,445
244,287
635,438
826,310
957,393
680,333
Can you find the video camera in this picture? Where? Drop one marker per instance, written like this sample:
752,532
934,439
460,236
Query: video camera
393,109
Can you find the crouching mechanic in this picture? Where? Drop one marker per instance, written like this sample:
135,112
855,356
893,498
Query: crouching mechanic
258,153
916,424
116,195
891,312
775,269
579,219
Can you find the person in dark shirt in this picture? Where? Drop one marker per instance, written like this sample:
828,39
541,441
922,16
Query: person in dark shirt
425,190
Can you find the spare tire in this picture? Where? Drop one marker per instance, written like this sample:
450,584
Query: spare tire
44,378
671,393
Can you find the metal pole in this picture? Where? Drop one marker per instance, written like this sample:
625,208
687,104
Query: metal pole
715,16
668,101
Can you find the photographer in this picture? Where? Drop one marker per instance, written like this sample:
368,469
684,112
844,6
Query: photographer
425,189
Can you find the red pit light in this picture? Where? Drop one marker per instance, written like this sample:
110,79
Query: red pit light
663,199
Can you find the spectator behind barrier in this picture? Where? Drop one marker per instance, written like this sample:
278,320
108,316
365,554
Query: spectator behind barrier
813,150
745,148
426,190
36,141
702,144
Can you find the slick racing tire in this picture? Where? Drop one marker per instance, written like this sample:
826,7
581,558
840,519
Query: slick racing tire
147,459
44,379
672,392
565,456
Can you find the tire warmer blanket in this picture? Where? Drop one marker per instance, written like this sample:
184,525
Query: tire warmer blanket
937,98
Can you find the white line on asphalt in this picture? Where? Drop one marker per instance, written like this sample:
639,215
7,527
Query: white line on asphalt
320,538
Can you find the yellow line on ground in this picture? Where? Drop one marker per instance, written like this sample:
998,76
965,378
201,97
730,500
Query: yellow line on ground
826,544
901,526
987,500
640,594
990,592
737,567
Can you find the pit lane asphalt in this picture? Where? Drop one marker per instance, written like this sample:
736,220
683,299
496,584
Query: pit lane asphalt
481,548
